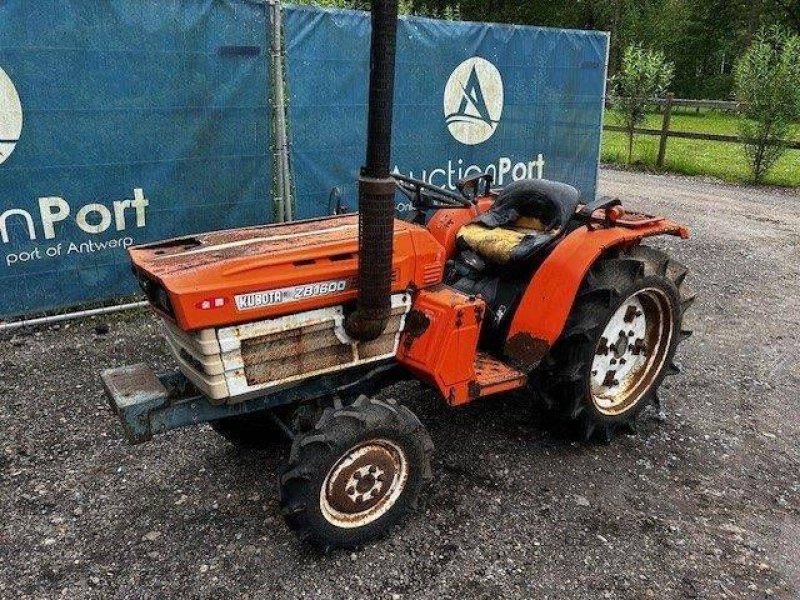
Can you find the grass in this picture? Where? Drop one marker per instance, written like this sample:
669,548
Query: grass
725,161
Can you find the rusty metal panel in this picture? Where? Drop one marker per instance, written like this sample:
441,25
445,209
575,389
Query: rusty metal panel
236,363
296,342
385,344
298,364
442,352
133,393
493,376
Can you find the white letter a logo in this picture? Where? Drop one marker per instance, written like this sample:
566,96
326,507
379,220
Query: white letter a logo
473,101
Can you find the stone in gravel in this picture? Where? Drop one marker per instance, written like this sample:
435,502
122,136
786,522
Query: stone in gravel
581,500
151,536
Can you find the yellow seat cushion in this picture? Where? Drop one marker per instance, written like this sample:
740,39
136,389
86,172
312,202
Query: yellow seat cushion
530,224
497,244
493,244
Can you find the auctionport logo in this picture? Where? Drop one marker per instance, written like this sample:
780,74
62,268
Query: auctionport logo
10,117
473,101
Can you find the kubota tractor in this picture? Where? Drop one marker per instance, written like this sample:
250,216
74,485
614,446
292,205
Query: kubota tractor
296,327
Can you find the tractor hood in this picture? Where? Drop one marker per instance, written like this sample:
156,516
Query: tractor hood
239,275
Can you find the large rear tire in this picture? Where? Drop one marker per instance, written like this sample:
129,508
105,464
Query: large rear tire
619,342
356,475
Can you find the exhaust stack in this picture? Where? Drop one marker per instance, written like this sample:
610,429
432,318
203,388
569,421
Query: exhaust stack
376,188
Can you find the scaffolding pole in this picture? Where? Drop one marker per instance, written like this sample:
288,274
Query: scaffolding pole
283,176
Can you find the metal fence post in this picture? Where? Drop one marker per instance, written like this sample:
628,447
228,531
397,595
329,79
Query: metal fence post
662,148
283,175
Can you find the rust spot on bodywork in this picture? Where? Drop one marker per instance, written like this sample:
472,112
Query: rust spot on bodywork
526,351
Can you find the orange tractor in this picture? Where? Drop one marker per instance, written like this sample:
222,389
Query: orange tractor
297,327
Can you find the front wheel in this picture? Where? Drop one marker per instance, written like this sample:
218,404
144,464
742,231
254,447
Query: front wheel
356,474
619,342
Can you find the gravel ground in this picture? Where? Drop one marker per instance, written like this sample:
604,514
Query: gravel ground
705,505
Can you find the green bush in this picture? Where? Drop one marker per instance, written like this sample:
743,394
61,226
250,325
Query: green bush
768,83
643,77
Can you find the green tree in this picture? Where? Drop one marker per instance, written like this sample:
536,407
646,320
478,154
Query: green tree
703,38
644,76
768,84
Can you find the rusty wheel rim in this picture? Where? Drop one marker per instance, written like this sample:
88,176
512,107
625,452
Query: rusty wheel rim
631,352
364,484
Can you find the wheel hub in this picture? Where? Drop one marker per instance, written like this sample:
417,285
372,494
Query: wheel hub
631,351
364,484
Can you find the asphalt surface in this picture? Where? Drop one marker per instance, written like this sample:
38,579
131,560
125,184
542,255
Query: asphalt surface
704,505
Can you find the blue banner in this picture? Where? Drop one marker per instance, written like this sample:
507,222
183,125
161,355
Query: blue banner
123,122
514,101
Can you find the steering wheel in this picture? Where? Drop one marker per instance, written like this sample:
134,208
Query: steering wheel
425,196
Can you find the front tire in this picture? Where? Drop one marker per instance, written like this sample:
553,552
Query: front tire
619,342
356,475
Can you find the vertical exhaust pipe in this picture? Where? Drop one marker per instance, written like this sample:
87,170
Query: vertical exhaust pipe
376,188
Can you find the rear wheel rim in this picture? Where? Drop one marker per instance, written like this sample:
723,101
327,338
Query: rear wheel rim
631,352
364,484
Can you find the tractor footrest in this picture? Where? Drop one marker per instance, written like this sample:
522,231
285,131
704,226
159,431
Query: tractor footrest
493,376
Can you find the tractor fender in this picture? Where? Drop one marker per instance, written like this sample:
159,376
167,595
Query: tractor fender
547,302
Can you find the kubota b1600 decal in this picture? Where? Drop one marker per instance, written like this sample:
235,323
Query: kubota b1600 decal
289,294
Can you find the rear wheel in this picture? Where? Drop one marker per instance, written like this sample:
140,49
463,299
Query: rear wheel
356,474
619,342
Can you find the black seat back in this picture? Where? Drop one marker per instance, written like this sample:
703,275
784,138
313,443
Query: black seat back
551,202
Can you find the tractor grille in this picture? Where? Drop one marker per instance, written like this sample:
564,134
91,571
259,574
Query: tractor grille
236,363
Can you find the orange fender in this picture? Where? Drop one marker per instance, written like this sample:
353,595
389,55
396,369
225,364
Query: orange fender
545,307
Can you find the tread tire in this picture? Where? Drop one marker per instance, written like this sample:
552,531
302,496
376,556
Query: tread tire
561,382
315,453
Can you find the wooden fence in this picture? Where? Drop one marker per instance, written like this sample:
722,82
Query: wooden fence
670,102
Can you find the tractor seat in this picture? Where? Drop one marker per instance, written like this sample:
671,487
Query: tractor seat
527,217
